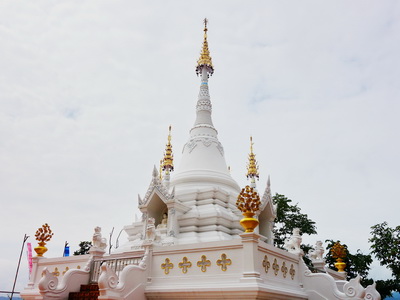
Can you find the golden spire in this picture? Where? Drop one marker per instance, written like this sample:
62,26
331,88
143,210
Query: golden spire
205,59
167,163
252,166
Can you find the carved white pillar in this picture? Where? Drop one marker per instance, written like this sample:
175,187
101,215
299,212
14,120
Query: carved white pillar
172,222
250,254
34,275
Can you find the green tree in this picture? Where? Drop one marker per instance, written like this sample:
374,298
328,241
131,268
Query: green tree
288,217
84,247
386,248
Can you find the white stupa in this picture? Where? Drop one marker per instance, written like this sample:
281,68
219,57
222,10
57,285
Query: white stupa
199,199
189,243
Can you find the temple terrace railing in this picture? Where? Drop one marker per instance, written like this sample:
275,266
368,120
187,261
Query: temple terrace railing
117,264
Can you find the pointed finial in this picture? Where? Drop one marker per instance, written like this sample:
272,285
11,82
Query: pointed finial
167,163
205,59
161,169
155,172
252,166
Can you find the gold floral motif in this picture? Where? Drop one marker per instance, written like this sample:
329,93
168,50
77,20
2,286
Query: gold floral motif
78,267
56,272
292,271
223,262
185,264
266,264
275,267
167,266
284,269
203,263
65,271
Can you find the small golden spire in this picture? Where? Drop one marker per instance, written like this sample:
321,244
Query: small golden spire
167,163
161,168
205,59
252,166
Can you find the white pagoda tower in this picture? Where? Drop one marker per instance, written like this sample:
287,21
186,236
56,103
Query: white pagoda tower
199,200
189,243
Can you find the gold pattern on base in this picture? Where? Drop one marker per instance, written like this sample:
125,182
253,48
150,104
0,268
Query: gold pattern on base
56,272
224,262
292,271
184,265
275,267
167,266
284,269
65,271
248,222
203,263
340,265
266,264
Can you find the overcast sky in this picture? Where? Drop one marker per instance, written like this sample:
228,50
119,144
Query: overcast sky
89,88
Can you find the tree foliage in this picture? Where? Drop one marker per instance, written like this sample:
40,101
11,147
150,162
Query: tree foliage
386,248
385,245
84,247
288,217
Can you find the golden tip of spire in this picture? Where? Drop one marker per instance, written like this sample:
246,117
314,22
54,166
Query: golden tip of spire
205,24
167,163
205,59
252,166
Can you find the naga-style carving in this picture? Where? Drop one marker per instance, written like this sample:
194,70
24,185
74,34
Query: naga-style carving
48,282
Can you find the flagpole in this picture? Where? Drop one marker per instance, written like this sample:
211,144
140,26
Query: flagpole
19,263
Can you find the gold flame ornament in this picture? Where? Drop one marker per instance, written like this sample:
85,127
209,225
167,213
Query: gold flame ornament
248,202
43,235
339,252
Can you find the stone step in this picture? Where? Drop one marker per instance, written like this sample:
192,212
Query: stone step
87,292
